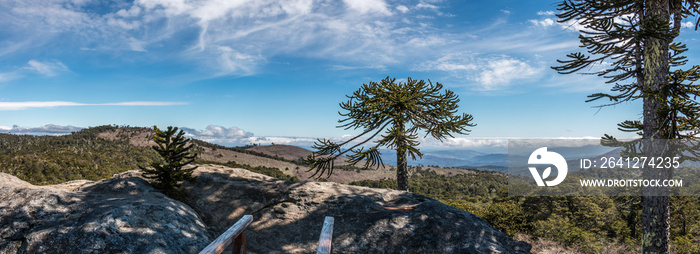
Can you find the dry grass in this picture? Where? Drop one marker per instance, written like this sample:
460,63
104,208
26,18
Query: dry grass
137,136
285,151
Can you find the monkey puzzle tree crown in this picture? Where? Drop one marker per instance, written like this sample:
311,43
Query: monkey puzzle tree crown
169,173
402,109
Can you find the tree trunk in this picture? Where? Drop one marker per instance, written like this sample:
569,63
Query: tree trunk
401,169
655,204
401,165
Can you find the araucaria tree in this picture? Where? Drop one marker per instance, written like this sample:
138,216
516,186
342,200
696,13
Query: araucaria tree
402,109
632,44
169,173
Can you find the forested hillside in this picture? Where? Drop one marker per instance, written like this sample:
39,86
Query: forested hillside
599,224
100,152
81,155
581,224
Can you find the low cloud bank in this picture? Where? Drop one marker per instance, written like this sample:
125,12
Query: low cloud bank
49,129
234,136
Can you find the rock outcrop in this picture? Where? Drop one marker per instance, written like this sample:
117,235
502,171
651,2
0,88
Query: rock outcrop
123,214
288,216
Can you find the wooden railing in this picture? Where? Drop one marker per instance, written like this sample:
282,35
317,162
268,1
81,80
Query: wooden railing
235,233
324,243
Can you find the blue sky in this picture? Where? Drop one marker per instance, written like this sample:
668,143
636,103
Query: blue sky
274,71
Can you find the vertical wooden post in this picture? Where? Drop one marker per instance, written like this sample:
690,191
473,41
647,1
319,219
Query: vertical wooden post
326,239
239,244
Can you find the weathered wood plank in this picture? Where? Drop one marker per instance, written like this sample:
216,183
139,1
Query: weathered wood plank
239,244
326,239
237,231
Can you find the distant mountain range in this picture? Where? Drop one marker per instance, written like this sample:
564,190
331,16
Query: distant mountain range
463,158
498,161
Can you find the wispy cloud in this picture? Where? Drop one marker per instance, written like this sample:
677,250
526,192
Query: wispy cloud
140,103
52,104
225,38
347,67
33,67
244,37
502,71
49,68
543,22
364,6
426,6
402,8
487,73
7,76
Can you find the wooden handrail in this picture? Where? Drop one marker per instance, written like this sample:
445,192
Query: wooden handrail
236,231
326,239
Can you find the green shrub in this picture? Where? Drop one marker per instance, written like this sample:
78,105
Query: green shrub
176,154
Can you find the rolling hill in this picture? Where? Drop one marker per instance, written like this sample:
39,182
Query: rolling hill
100,152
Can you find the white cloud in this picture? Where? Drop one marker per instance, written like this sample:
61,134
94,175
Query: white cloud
500,72
233,61
140,103
545,13
490,73
449,62
217,38
123,23
8,76
571,25
297,141
543,23
575,26
49,129
36,104
426,6
132,12
214,132
240,37
347,67
429,41
429,142
48,69
243,35
688,25
137,45
464,142
402,8
235,136
365,6
52,104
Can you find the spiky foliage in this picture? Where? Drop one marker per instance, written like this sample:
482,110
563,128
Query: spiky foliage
402,109
637,38
169,173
